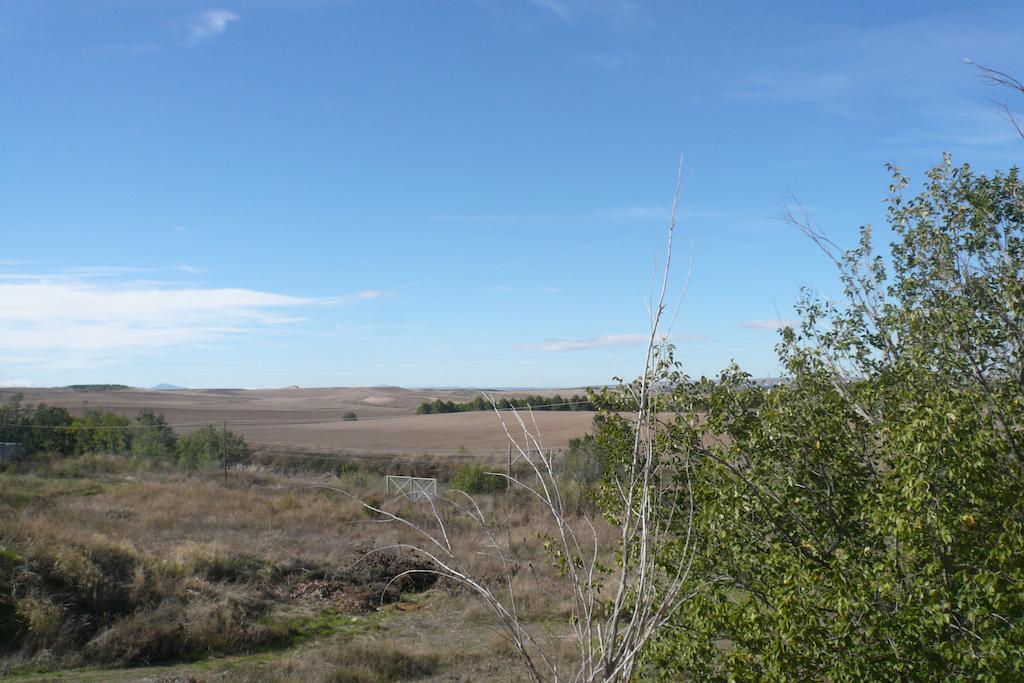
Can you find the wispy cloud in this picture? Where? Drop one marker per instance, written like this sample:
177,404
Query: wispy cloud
558,8
81,316
629,215
768,324
603,342
618,13
66,323
846,70
365,295
11,383
209,24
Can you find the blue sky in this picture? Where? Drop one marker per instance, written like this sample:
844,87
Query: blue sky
320,193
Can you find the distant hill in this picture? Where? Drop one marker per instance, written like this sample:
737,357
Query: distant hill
168,387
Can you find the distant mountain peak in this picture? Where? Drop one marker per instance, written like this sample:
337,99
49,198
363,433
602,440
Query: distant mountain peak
167,387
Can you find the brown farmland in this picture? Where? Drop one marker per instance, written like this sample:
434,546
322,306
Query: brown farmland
312,419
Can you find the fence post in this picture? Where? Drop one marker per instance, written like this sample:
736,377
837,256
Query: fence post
224,450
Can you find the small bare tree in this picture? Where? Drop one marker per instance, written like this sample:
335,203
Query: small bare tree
615,612
1003,80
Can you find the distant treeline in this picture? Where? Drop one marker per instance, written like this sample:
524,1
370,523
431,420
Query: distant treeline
97,387
555,402
54,430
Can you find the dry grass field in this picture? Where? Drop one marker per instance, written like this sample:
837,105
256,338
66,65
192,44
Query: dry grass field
119,569
311,419
119,573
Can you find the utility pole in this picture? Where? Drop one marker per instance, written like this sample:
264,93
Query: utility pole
224,451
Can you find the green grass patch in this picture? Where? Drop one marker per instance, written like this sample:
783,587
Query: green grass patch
22,490
328,623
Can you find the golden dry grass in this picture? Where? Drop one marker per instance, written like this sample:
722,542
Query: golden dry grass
270,561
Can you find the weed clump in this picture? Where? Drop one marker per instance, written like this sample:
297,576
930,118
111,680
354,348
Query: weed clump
475,479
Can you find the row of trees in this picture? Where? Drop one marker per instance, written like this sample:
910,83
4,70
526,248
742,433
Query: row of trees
52,429
555,402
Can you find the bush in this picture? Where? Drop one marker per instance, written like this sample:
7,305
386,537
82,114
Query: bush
864,519
205,447
474,478
50,431
100,432
149,444
175,631
350,417
583,463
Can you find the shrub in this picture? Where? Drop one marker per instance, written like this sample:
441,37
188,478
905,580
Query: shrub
174,631
372,501
100,432
154,438
10,625
863,519
50,431
584,462
205,447
350,417
41,620
474,478
229,568
150,444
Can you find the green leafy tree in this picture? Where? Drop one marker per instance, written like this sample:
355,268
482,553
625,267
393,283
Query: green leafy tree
584,462
153,438
147,444
14,419
101,432
864,518
50,431
204,448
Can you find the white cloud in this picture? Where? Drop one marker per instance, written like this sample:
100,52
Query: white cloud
606,341
365,295
75,316
209,24
603,342
768,324
369,294
14,383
